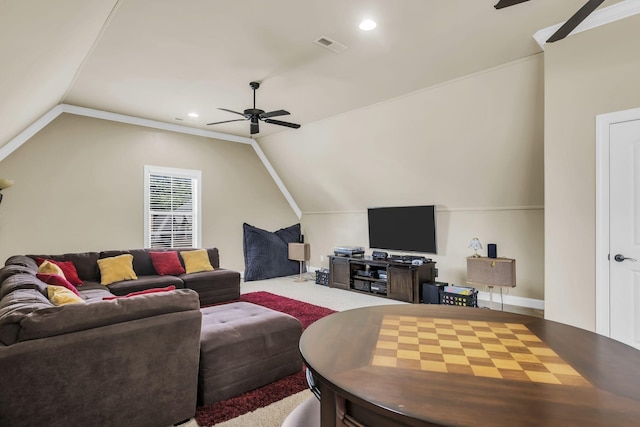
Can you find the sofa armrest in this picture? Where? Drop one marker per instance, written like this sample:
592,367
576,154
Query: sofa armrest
77,317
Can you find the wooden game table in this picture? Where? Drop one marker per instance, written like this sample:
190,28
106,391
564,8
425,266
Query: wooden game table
435,365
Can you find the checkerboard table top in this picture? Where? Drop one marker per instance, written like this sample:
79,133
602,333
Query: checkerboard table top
507,351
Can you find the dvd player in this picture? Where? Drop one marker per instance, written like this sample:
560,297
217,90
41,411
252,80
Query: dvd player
348,250
408,259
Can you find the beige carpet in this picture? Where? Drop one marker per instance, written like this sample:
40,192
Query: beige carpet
269,416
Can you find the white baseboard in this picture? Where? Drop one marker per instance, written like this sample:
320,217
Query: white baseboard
484,296
512,300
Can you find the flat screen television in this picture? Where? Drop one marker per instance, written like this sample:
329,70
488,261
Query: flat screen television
404,228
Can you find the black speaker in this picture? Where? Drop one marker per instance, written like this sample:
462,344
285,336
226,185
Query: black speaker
492,250
431,292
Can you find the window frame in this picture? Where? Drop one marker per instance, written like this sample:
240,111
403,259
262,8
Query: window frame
196,179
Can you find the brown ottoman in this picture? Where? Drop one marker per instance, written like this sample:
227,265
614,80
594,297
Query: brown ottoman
244,346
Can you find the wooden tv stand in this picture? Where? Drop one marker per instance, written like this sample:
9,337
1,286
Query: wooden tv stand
402,279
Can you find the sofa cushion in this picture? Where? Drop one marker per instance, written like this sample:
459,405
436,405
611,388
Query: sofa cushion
166,262
146,291
144,282
85,263
214,256
68,270
20,280
49,267
14,307
59,295
94,291
266,254
116,269
57,280
69,318
22,260
196,261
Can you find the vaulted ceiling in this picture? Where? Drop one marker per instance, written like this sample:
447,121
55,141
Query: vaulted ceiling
163,59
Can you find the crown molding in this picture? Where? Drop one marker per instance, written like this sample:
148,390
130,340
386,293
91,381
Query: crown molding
604,16
53,113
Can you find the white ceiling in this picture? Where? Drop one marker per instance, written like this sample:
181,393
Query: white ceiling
161,59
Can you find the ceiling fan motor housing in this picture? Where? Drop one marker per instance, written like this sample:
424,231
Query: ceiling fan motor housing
255,114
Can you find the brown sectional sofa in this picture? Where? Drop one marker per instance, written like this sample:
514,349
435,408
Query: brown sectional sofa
130,361
219,285
127,361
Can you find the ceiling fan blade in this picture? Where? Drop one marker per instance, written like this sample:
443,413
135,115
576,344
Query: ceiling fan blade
274,114
575,20
506,3
231,111
254,127
226,121
281,123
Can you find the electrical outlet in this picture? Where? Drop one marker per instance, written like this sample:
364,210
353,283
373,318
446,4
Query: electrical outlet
321,258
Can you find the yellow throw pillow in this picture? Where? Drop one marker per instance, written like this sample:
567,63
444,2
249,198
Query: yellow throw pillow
48,267
195,261
116,269
59,295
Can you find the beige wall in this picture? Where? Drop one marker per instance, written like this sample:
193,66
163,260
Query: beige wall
473,146
455,230
586,74
79,187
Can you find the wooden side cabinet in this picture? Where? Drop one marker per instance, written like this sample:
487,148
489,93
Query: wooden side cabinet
400,283
339,273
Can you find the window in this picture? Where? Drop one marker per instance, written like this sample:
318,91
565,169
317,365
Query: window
172,207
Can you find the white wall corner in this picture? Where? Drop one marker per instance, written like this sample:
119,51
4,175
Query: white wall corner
30,131
276,179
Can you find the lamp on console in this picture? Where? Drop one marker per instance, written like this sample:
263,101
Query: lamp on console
300,252
475,245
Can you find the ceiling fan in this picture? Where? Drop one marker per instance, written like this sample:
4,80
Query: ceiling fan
568,26
255,114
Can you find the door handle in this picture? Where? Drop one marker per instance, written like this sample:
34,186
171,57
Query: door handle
620,258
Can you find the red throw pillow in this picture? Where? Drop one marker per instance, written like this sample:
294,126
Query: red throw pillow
146,291
57,280
68,269
166,263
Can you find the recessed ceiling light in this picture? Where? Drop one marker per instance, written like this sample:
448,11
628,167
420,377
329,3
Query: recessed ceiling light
193,115
367,25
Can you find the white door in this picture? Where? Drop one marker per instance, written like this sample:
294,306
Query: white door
624,232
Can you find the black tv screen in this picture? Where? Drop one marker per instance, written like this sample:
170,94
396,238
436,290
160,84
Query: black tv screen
407,228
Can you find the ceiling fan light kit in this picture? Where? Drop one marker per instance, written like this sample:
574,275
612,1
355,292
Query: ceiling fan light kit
255,115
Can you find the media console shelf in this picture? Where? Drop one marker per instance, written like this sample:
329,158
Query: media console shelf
384,278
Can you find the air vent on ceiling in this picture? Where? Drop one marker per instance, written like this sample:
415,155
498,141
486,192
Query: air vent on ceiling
332,45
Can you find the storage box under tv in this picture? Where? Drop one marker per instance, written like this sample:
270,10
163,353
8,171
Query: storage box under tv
322,277
457,298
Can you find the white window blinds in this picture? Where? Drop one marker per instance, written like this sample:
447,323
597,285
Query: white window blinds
171,208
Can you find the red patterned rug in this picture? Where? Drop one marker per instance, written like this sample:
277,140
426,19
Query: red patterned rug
219,412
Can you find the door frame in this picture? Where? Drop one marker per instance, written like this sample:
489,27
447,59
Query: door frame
603,123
